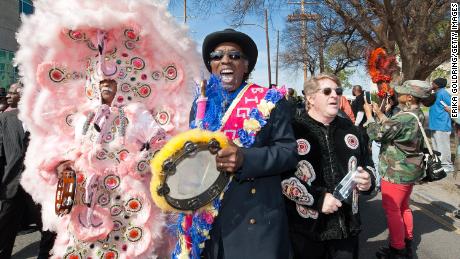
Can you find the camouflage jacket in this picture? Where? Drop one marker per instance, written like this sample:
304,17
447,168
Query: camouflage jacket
400,159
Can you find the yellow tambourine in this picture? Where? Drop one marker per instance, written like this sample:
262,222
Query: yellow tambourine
185,177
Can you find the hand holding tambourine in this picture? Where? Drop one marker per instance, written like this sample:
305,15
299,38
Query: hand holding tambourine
229,159
185,174
66,188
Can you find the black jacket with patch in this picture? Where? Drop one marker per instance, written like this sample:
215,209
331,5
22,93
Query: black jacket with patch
326,154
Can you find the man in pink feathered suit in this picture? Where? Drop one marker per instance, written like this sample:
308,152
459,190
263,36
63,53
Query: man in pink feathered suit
105,83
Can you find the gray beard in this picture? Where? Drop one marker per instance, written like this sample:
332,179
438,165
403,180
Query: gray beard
108,89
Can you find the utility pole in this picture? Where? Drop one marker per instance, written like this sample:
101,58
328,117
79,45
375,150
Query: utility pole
268,49
321,45
277,53
185,11
267,40
304,18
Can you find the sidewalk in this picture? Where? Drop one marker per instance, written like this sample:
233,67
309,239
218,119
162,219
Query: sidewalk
442,197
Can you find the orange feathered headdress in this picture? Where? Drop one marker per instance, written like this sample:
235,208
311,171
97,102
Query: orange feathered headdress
381,68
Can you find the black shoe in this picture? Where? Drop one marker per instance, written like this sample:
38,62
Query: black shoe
456,213
408,247
392,253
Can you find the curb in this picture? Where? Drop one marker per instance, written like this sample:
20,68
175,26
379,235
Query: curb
436,208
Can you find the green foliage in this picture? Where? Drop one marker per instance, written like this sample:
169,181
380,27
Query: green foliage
343,75
439,72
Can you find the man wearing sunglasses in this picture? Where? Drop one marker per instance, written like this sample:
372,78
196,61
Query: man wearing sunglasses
323,224
252,221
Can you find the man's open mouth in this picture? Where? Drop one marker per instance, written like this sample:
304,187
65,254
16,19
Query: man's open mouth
226,75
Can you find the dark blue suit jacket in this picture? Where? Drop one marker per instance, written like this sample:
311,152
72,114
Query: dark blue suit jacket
252,221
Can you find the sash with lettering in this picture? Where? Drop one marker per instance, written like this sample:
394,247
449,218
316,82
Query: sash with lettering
248,113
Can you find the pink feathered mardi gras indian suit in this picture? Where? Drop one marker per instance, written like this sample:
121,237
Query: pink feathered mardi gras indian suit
66,49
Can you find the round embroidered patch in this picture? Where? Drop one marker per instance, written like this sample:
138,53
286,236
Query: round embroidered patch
305,172
108,137
56,75
101,154
111,254
303,146
69,120
130,34
141,166
117,225
125,87
129,44
352,163
156,75
162,118
138,63
111,182
305,212
73,255
133,234
103,199
115,210
351,141
294,190
76,35
123,154
133,205
144,91
170,72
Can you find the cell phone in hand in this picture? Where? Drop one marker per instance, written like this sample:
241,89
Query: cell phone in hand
367,96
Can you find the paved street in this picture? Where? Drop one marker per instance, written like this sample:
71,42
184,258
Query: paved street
436,235
26,246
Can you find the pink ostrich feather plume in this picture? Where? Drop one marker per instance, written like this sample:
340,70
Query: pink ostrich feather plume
61,62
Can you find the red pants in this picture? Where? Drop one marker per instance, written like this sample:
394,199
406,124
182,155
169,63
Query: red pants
395,201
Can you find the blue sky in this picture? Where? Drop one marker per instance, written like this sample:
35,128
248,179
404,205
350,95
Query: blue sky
202,26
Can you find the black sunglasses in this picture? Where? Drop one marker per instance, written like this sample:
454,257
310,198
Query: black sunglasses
232,54
327,91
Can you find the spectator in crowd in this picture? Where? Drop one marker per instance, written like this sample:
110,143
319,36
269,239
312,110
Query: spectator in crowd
358,106
321,225
400,163
345,109
16,205
13,144
295,101
440,123
291,94
3,103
